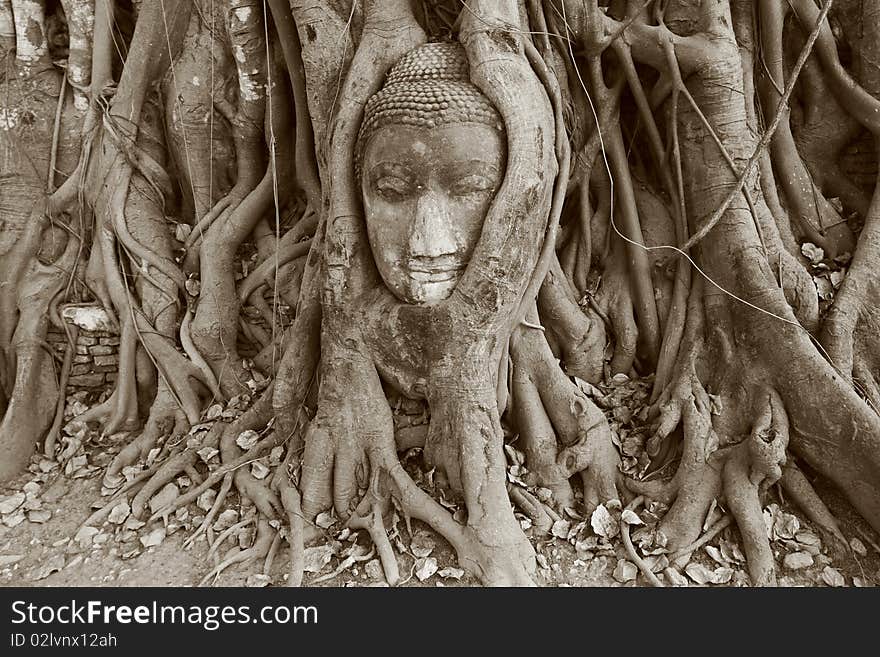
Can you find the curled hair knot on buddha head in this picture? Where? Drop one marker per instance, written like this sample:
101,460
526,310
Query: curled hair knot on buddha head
429,87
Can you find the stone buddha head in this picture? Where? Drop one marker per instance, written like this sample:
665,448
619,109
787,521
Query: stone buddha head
430,155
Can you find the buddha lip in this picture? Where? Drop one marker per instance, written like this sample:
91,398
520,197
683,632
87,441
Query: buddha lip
435,267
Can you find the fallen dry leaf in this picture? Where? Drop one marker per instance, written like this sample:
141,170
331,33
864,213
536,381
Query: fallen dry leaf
259,470
119,513
603,523
451,573
257,580
625,571
51,565
247,439
832,577
699,573
11,503
425,568
315,558
560,529
85,535
39,516
154,538
325,519
10,559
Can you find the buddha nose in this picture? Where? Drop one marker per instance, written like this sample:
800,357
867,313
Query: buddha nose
431,234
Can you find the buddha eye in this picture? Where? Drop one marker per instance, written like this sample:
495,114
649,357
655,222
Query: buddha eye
472,184
393,188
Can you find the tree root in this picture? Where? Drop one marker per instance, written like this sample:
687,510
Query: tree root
369,516
537,512
705,539
630,549
291,500
166,420
740,471
170,469
804,496
260,548
225,487
549,406
581,338
344,565
745,504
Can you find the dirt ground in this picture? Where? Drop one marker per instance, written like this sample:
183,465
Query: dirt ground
44,548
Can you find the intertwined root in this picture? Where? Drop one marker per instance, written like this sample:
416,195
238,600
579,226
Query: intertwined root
561,432
350,462
38,249
851,329
735,474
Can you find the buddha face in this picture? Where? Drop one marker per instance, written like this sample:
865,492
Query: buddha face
426,194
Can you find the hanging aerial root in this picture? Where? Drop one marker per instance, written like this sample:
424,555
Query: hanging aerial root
54,431
639,264
305,165
287,250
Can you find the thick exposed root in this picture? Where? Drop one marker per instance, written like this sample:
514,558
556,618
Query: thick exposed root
580,337
166,420
549,406
712,468
290,499
801,492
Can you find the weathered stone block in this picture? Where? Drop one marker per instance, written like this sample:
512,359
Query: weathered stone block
86,380
101,361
